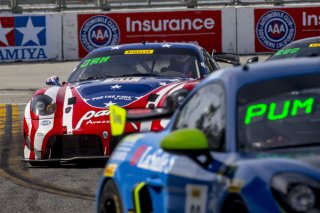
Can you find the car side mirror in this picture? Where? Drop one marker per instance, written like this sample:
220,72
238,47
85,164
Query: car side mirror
254,59
229,58
53,81
185,141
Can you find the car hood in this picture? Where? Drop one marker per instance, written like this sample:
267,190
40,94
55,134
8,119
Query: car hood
120,91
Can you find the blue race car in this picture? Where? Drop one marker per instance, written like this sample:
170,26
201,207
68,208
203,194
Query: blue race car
246,139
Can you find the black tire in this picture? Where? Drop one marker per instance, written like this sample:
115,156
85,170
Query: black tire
236,206
110,199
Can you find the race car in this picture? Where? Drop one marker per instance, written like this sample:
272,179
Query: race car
307,47
246,139
71,120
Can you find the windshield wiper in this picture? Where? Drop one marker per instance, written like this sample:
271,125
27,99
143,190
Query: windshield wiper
138,74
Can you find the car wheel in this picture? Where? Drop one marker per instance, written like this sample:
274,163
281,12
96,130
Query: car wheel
110,199
236,206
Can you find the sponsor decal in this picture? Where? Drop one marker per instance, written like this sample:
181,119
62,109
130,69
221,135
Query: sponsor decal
196,198
156,160
92,114
305,19
133,138
203,27
22,37
288,51
138,52
94,61
99,31
123,80
137,155
114,97
45,122
275,29
122,150
110,170
270,111
314,45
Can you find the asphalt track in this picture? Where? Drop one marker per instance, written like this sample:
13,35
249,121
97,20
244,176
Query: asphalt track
67,188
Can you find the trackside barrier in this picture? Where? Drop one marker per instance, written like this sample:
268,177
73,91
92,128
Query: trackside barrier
11,119
30,37
210,28
71,35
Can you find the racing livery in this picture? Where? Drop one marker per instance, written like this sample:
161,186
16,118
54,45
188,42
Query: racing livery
307,47
245,139
72,120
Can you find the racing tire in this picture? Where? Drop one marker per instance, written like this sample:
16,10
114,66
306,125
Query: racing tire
236,206
110,199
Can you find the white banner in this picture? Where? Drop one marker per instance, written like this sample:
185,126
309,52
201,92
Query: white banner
30,37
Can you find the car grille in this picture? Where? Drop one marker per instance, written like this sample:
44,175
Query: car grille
68,146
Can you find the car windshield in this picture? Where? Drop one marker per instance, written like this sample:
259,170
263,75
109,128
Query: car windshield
299,49
279,113
171,62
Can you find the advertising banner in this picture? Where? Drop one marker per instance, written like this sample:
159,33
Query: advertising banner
97,30
275,28
30,37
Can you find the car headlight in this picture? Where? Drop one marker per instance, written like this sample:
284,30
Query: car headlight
175,99
296,192
43,105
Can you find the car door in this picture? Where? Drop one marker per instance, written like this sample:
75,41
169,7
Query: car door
205,110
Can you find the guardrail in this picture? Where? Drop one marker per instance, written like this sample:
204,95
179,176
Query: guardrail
20,6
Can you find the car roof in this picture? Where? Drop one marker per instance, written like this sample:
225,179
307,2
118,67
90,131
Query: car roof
307,40
237,77
179,45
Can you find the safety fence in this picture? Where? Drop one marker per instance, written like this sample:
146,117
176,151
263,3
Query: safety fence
20,6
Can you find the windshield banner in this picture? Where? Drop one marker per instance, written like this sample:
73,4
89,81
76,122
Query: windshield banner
275,28
202,27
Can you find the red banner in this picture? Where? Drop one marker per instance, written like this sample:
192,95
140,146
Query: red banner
275,28
98,30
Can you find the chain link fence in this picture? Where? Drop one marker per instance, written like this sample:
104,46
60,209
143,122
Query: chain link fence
20,6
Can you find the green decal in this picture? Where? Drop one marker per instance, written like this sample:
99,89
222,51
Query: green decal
93,61
287,51
255,110
104,59
283,114
85,63
307,105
